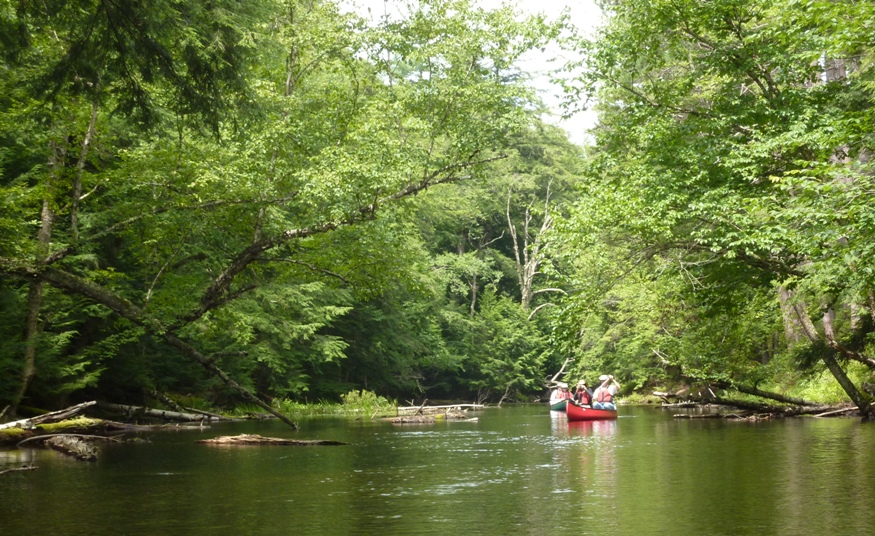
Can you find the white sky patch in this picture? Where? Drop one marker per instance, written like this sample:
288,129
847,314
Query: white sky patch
584,15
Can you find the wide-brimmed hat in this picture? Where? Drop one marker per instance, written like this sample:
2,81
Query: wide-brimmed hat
581,383
603,377
562,385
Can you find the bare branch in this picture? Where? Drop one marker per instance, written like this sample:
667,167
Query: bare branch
549,290
306,265
538,308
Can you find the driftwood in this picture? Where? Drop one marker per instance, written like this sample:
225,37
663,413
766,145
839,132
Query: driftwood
848,409
255,439
413,419
29,467
680,394
53,416
79,436
430,414
683,405
139,411
83,427
705,416
750,406
167,401
774,411
430,410
73,446
215,415
767,394
757,413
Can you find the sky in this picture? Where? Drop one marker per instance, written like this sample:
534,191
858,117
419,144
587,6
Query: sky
584,14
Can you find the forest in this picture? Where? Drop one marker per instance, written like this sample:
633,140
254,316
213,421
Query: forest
229,203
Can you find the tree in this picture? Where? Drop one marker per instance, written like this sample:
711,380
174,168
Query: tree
714,137
186,228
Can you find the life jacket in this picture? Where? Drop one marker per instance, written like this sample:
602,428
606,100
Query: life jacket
604,396
557,396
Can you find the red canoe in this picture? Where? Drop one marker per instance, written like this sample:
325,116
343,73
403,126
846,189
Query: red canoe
576,412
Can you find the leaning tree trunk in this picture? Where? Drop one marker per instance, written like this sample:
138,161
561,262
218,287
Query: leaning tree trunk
129,311
829,359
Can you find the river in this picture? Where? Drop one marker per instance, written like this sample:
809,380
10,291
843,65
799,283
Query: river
516,470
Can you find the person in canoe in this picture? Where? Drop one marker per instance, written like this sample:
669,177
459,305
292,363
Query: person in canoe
605,393
560,393
582,394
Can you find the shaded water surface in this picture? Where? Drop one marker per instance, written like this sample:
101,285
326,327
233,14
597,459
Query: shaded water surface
517,470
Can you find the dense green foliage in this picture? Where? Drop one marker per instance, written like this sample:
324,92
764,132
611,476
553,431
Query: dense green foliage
220,198
727,204
281,200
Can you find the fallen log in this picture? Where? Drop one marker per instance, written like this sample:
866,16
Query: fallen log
700,416
255,439
73,446
848,409
53,416
456,414
767,394
413,419
79,436
749,406
216,416
140,411
29,467
437,409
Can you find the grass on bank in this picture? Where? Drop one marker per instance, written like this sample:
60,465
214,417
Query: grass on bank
365,404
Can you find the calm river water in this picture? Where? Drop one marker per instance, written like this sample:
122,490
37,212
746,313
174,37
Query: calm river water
517,470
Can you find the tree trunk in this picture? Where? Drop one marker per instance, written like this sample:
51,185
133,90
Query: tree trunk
140,411
529,256
35,292
31,336
766,394
136,315
793,330
474,290
76,194
829,358
255,439
832,340
54,416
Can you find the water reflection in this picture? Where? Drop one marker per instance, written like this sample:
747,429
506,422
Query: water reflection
592,428
17,457
519,470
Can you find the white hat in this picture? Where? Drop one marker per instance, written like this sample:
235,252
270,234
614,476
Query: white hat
562,385
603,377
